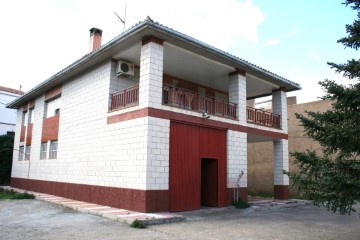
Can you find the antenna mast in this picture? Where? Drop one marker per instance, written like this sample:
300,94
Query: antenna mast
121,20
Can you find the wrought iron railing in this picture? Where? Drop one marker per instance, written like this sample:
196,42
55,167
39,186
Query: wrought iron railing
262,117
193,101
125,98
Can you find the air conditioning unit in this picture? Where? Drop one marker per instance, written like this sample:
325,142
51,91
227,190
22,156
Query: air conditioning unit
125,69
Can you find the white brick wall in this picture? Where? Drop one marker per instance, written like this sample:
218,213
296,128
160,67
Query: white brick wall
280,107
281,162
151,75
237,94
19,168
130,154
236,158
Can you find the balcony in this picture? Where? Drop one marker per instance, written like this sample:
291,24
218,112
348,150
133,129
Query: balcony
126,98
262,117
185,99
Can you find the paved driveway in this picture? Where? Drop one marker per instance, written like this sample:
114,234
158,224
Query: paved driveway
34,219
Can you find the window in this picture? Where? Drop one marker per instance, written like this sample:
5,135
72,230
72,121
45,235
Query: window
21,153
31,115
52,108
43,151
27,152
24,119
53,149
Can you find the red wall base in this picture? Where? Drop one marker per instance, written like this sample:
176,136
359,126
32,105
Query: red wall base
243,194
130,199
281,192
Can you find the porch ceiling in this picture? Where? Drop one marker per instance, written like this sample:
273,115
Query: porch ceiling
192,67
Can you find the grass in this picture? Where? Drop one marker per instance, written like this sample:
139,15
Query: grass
241,204
11,194
263,195
137,224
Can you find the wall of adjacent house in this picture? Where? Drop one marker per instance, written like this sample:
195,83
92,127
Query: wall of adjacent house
260,155
7,116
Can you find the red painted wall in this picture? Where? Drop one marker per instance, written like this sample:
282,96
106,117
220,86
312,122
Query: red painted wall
50,130
22,133
29,134
188,144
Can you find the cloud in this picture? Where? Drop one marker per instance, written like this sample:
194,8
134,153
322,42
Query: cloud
272,42
292,33
218,23
58,30
313,56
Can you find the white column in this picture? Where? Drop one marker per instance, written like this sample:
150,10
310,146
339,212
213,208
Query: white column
237,95
281,149
279,103
237,161
151,75
281,162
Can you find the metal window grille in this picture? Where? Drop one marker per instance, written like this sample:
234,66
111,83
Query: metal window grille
43,151
21,153
53,149
27,152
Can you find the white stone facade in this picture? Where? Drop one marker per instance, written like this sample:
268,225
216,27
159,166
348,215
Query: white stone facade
131,154
237,95
151,75
236,158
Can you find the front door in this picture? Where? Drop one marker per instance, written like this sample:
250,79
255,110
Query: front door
209,182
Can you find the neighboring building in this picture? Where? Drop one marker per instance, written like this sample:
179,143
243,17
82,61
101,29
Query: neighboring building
153,120
8,116
260,155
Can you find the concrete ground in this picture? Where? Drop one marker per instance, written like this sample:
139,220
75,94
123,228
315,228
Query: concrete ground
34,219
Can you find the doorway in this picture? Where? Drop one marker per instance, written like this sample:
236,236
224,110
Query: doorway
209,182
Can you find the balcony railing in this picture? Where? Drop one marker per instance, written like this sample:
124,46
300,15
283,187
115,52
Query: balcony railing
262,117
189,100
192,101
125,98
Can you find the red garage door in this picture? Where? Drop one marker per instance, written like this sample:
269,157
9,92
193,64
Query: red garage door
197,167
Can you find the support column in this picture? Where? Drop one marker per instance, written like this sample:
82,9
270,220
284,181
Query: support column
237,163
237,94
281,149
151,72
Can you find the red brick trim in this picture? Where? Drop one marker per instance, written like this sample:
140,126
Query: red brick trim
32,103
50,130
131,199
29,134
25,107
158,113
22,133
153,39
238,72
53,93
281,192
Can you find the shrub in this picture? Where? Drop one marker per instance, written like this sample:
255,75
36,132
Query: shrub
241,204
137,224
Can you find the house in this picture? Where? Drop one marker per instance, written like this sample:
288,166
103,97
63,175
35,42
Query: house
153,120
260,157
8,116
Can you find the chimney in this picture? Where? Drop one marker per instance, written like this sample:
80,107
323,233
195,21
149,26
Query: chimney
95,39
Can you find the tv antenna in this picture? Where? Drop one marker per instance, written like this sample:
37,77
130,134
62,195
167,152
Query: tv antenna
121,20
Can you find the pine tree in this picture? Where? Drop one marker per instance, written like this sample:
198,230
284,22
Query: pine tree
333,179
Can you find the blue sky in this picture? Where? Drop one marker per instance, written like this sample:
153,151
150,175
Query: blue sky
292,38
